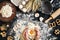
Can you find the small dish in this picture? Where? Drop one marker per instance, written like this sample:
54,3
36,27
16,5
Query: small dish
7,11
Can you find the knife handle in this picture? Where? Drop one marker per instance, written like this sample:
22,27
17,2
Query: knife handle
48,19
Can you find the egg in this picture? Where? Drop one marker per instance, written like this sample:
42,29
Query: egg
24,10
31,32
23,2
20,6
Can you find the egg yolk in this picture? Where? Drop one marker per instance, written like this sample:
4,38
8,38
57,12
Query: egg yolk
32,32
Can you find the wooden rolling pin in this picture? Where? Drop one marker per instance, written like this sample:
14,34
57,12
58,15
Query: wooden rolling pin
54,15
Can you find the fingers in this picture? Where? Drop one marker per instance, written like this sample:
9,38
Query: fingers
25,34
37,34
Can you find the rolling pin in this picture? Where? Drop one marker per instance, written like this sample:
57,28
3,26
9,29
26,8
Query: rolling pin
54,15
